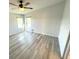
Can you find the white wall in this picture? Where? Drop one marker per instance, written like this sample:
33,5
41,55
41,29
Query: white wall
65,27
47,20
13,26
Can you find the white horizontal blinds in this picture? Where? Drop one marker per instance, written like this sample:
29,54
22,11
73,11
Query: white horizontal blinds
20,22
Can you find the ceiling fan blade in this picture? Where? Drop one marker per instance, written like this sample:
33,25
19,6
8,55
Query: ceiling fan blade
28,8
27,3
12,4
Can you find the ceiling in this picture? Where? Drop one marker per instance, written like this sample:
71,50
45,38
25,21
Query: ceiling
36,4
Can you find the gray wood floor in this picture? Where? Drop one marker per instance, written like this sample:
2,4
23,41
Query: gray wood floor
33,46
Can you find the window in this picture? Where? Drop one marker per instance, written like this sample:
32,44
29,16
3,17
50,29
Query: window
20,22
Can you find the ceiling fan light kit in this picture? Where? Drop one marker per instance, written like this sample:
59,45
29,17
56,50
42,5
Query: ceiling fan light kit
21,9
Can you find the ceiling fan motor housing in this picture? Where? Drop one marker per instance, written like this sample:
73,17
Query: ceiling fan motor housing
21,5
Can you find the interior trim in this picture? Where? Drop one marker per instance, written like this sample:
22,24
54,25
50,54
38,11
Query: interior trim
67,48
16,33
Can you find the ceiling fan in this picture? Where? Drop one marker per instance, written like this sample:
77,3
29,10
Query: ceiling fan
22,5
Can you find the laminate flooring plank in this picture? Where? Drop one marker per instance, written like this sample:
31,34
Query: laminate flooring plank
33,46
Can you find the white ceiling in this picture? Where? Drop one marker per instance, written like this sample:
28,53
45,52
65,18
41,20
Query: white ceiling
36,4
